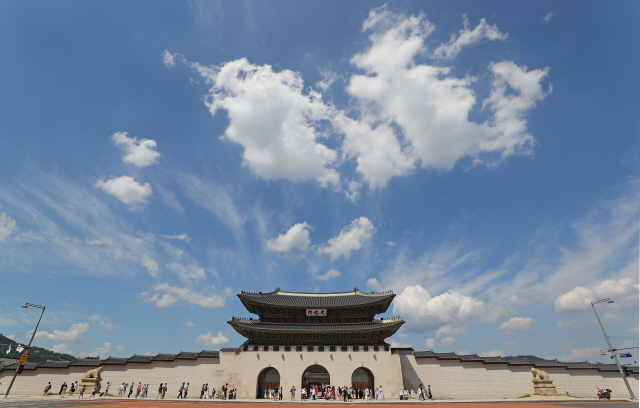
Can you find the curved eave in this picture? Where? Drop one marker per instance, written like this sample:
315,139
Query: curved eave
248,327
339,300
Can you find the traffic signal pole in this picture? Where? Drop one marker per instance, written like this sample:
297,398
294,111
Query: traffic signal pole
6,394
611,349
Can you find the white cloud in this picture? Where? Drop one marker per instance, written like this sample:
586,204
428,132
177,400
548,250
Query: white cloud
7,226
148,353
426,107
449,330
182,237
187,273
75,333
168,59
397,344
140,153
493,353
276,124
373,283
423,312
350,239
210,340
120,347
10,336
296,237
190,323
126,189
63,348
580,298
548,17
588,353
94,318
467,37
633,329
516,324
430,343
107,323
447,341
104,352
150,265
328,78
172,294
331,273
165,300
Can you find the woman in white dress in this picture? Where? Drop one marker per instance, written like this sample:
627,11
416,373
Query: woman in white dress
380,394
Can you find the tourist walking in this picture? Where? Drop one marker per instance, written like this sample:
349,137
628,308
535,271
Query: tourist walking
429,392
63,390
225,388
159,391
106,390
421,392
82,392
180,391
186,391
46,389
164,390
293,393
130,390
138,390
93,393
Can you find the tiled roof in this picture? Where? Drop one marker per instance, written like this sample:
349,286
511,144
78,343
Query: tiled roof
519,361
54,364
447,356
494,360
471,357
316,300
114,361
164,357
209,354
139,359
549,363
184,355
424,354
27,366
607,367
86,362
579,365
256,325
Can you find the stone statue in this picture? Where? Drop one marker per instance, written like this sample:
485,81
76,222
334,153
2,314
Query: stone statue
91,378
542,384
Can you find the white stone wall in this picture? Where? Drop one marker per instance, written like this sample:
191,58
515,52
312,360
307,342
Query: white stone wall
448,378
457,380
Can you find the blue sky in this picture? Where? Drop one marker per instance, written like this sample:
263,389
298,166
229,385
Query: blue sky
479,160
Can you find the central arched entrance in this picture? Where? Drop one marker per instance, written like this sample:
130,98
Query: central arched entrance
361,379
268,379
317,377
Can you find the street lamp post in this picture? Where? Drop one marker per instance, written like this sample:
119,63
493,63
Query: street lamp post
27,305
611,349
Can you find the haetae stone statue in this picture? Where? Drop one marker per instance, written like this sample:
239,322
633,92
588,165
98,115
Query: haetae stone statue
91,378
542,384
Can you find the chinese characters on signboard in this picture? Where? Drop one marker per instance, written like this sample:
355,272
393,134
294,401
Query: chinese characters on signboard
316,312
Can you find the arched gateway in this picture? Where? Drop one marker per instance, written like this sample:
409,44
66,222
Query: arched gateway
315,376
362,378
268,379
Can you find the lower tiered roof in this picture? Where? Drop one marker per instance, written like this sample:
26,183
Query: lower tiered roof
248,326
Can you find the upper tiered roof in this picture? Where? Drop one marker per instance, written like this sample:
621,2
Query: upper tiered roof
300,300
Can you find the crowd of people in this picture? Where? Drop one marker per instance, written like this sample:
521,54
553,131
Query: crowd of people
327,392
126,390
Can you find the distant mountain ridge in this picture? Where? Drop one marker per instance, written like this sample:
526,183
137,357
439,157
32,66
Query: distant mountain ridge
35,352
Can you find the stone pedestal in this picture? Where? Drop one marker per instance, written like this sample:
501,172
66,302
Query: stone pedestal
544,387
91,378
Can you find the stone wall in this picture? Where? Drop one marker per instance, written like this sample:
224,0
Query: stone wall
393,370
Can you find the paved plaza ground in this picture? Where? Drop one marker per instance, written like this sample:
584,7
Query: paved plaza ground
27,402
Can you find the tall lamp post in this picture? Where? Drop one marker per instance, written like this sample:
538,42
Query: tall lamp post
611,349
26,306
